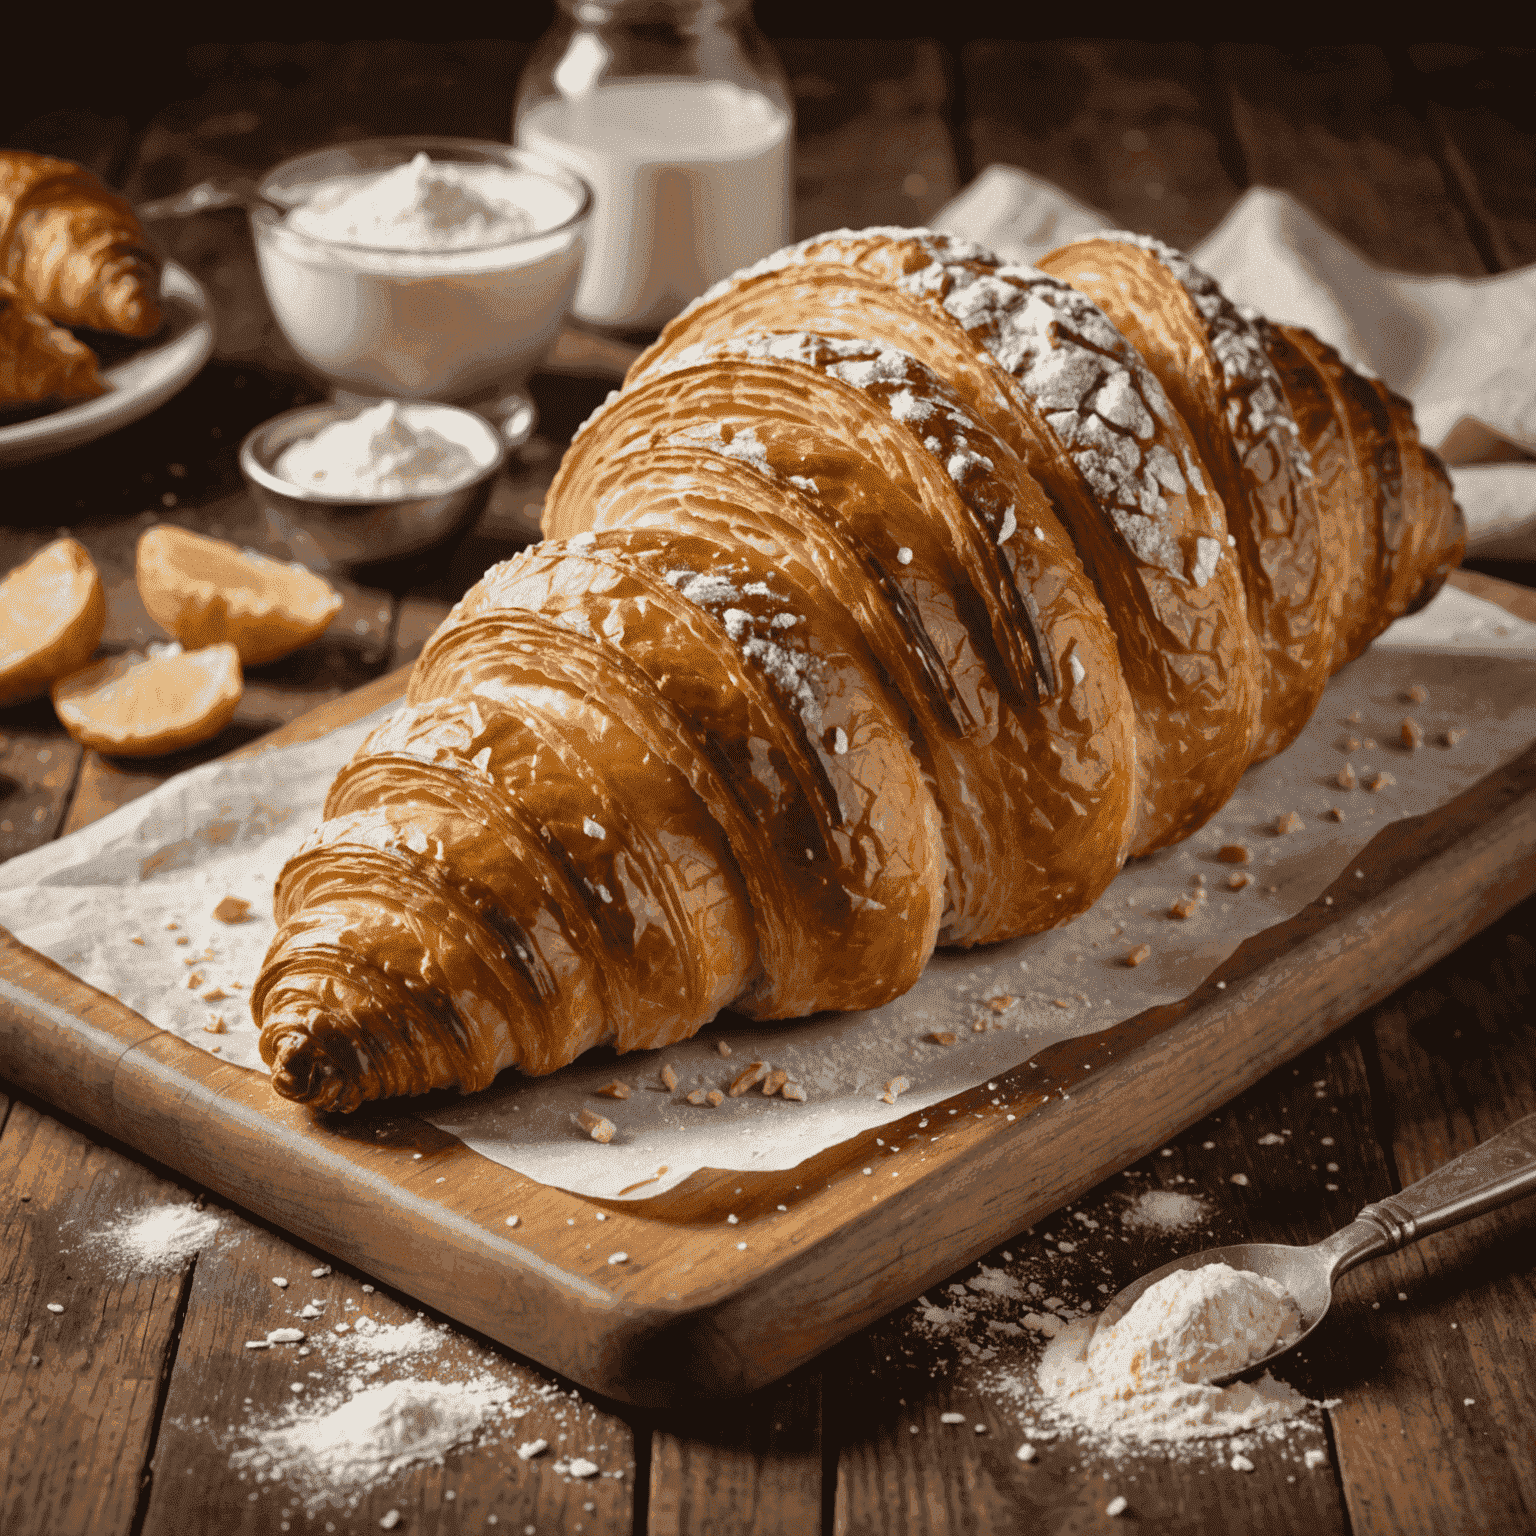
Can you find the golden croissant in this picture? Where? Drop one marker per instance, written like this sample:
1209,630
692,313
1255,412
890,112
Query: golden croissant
898,597
73,254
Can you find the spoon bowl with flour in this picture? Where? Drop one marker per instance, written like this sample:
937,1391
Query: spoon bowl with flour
1493,1174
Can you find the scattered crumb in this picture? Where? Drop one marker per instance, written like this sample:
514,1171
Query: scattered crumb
1349,744
185,940
1290,822
596,1126
774,1081
697,1096
1412,733
55,1307
1240,1179
1315,1459
1233,853
714,1098
1380,780
668,1078
391,1520
214,994
531,1448
1001,1004
581,1467
979,1027
1186,906
1353,717
215,1024
722,1047
1235,882
749,1077
232,910
1117,1505
1415,693
951,1418
1026,1452
1333,813
1452,736
618,1258
194,980
512,1221
615,1090
893,1089
1061,1002
1240,1463
1347,777
793,1091
1137,955
942,1036
136,938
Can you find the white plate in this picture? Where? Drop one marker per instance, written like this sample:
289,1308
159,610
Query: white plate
135,386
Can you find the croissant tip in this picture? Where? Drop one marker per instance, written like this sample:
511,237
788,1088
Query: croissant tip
302,1072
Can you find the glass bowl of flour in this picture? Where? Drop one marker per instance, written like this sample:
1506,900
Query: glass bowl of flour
421,268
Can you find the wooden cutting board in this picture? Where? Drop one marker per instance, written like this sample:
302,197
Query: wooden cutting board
706,1308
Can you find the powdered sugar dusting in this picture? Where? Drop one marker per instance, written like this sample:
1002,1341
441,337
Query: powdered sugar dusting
1256,405
1088,383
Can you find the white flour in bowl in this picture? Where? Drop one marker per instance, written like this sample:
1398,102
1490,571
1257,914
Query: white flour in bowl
1149,1377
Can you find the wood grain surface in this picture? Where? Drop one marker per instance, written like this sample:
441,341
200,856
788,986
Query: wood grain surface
1420,153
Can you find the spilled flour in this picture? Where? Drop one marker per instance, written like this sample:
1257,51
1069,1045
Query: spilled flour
158,1238
1164,1210
1148,1378
380,1431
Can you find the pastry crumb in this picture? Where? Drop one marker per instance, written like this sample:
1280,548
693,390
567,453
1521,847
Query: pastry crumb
894,1089
215,1024
1235,882
1001,1004
722,1047
942,1036
1233,853
598,1127
1346,777
1380,780
615,1090
1186,906
1335,814
136,938
1415,693
793,1091
748,1077
1412,733
1061,1002
697,1096
194,980
232,909
1452,736
1290,822
214,994
774,1081
668,1077
714,1098
1136,956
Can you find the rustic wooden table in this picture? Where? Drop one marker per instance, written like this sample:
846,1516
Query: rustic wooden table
1420,156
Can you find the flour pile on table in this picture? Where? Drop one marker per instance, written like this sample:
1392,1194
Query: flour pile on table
1148,1377
366,1438
158,1238
1164,1210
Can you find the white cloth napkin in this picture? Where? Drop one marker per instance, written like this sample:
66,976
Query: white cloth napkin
1462,349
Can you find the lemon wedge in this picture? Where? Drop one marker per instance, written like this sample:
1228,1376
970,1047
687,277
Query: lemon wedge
142,706
205,591
52,612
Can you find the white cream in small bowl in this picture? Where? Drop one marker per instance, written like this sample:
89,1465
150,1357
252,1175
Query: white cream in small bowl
345,484
423,268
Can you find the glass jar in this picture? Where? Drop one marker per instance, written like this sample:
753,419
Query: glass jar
677,113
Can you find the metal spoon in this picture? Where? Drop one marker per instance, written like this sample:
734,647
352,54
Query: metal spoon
205,197
1493,1173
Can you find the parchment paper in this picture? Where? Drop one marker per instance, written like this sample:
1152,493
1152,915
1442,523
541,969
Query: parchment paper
226,828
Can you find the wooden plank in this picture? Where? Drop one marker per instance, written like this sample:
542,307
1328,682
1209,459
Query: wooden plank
1435,1433
1476,105
871,143
220,1393
1132,128
38,768
80,1390
684,1317
752,1467
1323,124
894,1383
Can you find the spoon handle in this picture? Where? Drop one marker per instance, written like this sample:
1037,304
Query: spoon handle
203,198
1493,1173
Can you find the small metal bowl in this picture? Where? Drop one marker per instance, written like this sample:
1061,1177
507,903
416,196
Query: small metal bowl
326,531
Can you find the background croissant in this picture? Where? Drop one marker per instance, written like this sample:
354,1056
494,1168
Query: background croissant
898,597
73,254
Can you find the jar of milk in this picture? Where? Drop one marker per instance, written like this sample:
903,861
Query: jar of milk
676,112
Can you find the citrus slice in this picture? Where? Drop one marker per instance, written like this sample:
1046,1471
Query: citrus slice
206,590
141,706
52,611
